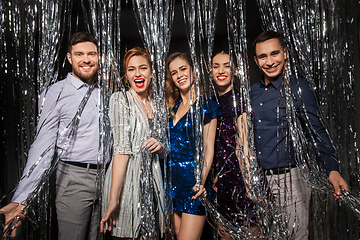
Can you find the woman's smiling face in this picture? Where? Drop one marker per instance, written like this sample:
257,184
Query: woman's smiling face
221,71
181,75
138,74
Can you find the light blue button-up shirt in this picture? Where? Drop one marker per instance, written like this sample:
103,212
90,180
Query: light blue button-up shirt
61,104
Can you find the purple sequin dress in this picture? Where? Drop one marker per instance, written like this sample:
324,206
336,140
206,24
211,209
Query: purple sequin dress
231,193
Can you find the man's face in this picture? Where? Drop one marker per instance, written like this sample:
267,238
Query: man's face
270,58
84,60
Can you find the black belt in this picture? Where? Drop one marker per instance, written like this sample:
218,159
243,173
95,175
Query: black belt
279,170
84,165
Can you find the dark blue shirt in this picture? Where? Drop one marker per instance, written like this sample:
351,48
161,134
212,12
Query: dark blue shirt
273,146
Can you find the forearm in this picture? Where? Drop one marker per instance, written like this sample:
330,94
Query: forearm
209,134
119,166
45,139
242,149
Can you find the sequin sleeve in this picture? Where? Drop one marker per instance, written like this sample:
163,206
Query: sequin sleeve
120,124
211,109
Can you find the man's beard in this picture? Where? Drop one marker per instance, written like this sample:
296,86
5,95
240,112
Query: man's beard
85,77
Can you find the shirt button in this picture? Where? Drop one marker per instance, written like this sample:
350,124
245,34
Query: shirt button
261,104
259,120
259,137
266,89
259,153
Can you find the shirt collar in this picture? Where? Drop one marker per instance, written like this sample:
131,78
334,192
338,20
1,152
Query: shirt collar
275,83
77,83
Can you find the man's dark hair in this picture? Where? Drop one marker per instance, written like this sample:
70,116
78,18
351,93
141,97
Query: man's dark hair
264,36
80,37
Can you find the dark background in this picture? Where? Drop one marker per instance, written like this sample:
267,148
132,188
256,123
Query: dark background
130,37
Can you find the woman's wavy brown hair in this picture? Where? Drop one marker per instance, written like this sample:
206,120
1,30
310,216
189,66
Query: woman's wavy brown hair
172,94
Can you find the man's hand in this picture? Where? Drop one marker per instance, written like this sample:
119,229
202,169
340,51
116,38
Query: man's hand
338,183
11,211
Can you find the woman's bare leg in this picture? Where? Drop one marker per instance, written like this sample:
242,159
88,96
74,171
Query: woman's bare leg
188,226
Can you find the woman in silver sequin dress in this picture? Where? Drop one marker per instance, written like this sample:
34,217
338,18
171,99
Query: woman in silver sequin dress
130,116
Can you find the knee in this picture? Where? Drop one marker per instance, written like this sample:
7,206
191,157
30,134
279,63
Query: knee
177,233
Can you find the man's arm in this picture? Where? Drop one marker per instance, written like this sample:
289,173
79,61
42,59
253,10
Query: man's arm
46,135
326,149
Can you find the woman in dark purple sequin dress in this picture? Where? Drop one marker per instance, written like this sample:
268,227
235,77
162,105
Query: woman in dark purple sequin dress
229,184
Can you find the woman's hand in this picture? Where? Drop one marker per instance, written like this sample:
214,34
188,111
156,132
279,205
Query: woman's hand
199,193
108,217
214,184
154,146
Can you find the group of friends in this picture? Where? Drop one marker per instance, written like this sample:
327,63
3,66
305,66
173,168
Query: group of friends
131,113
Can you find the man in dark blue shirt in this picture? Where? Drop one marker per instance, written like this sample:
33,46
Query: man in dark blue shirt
274,143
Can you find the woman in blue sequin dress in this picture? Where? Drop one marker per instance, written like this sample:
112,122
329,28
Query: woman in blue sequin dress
232,198
186,110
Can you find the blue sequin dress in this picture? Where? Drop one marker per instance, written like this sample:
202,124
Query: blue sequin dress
182,156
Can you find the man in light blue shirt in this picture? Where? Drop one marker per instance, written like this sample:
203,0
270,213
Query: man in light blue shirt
78,168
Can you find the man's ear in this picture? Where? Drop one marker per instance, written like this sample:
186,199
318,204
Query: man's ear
285,54
68,55
256,61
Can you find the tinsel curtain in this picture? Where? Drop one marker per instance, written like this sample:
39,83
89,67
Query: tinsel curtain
42,29
33,40
154,20
27,68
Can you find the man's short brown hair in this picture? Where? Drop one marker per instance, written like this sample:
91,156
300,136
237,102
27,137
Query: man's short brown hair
80,37
264,36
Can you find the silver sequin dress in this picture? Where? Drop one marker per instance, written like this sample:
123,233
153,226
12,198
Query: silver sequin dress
130,128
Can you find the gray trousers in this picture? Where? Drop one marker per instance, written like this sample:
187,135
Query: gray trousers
292,195
77,202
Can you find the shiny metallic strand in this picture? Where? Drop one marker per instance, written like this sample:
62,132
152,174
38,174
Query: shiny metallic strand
268,216
69,133
22,19
49,27
200,16
148,221
104,22
197,15
316,52
194,19
19,72
252,175
154,20
190,19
